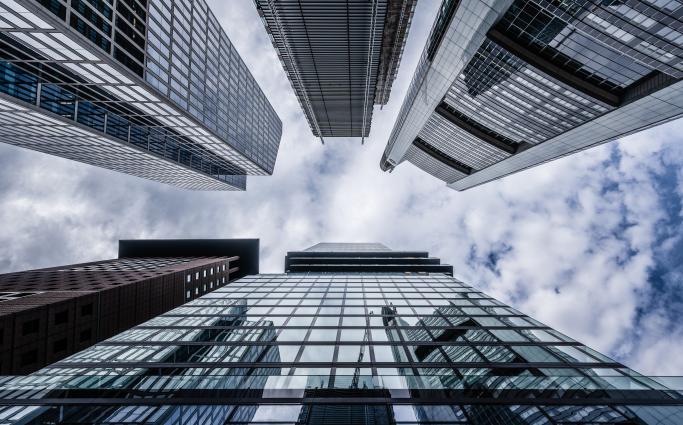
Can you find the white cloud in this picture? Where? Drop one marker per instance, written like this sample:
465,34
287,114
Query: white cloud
575,239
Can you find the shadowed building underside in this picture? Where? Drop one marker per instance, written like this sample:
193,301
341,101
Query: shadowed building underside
340,56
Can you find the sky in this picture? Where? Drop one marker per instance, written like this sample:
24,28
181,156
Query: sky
590,244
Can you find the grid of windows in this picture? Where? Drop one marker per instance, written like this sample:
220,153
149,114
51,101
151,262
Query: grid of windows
458,143
420,341
109,273
517,100
52,68
118,30
395,310
133,264
341,57
551,77
29,128
612,44
192,61
433,166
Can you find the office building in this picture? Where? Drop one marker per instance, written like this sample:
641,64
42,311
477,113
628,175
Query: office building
49,314
506,85
151,88
350,334
340,56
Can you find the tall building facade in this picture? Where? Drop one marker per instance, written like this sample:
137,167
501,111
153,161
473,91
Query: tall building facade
49,314
152,88
506,85
317,345
340,56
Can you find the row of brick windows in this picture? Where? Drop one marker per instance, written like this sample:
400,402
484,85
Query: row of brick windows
220,271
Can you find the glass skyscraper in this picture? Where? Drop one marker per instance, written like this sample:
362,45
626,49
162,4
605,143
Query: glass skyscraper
350,334
506,85
150,88
340,56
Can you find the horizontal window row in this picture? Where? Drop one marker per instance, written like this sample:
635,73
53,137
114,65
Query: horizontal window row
205,272
404,414
338,298
331,353
437,335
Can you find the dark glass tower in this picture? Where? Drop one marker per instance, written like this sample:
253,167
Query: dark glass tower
152,88
506,85
340,56
351,334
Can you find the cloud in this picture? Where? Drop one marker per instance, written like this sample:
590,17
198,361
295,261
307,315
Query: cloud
587,244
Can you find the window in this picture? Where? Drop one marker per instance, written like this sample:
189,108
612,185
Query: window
507,335
85,335
30,327
91,115
29,357
188,278
61,317
86,310
58,100
188,295
59,346
318,353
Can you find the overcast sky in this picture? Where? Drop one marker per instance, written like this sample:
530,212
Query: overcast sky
590,244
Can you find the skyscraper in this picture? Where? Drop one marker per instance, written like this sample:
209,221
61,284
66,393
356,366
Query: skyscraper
340,56
150,88
48,314
351,333
506,85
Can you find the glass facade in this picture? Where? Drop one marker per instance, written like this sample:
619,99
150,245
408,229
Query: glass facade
331,347
104,71
547,79
191,60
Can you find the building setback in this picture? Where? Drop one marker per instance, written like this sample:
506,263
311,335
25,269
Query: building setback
387,340
506,85
49,314
150,88
340,56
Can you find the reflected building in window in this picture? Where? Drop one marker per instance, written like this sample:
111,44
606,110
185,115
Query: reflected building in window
48,314
150,88
341,57
350,333
505,86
